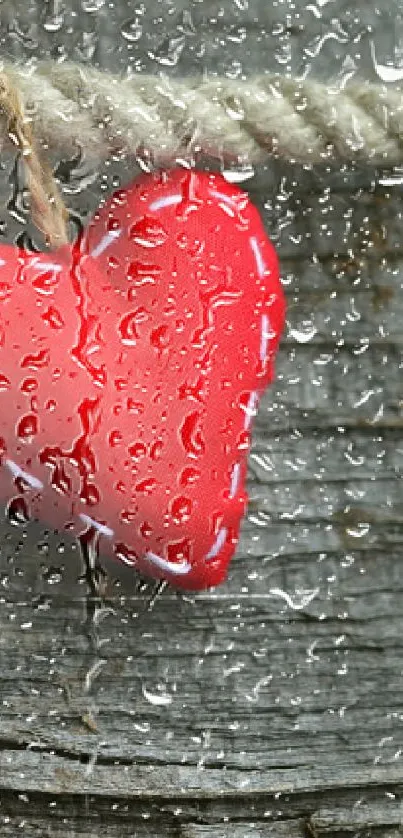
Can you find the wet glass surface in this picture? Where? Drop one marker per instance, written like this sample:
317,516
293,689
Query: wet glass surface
291,669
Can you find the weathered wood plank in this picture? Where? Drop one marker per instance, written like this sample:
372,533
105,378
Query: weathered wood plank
285,829
59,775
381,820
273,706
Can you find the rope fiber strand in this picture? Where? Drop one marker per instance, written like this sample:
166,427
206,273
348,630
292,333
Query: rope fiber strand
47,207
64,107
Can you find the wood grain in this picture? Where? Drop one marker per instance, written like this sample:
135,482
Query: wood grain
272,707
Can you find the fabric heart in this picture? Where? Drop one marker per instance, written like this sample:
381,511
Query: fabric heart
131,365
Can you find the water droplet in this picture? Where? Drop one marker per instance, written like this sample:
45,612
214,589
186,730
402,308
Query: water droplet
137,450
125,554
54,22
179,551
134,406
146,486
53,318
156,449
90,494
5,291
92,5
5,383
191,435
191,201
52,575
189,476
28,427
243,441
115,438
180,509
305,332
238,175
128,516
60,481
121,384
385,72
148,232
17,511
127,329
159,698
169,51
145,529
29,385
159,338
139,273
197,391
36,362
46,282
359,531
132,29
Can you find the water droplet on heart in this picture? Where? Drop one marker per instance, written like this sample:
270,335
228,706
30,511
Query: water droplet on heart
53,318
132,29
140,273
5,383
60,480
191,435
243,440
156,449
146,486
180,509
90,494
119,197
17,511
113,224
127,329
148,232
29,385
159,338
145,529
28,427
115,438
179,551
46,282
189,476
169,307
179,326
36,361
128,516
134,406
121,384
113,263
5,290
137,450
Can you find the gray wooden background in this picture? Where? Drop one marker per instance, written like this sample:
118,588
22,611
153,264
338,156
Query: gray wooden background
273,705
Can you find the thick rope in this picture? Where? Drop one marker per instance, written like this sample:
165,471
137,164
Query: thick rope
304,121
68,106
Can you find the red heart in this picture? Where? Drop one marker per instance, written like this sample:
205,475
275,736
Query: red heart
131,365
